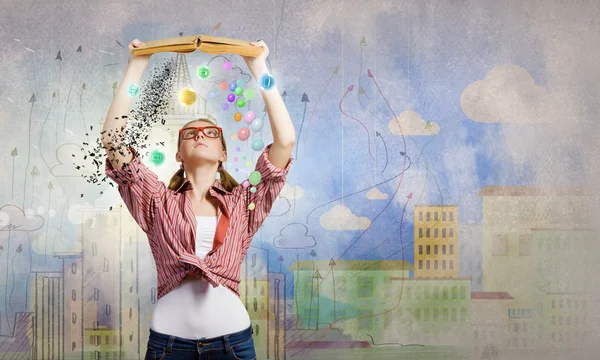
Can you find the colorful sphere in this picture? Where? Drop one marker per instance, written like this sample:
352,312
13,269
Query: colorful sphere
249,94
223,85
249,116
231,97
258,145
241,103
187,96
257,125
253,189
267,81
157,157
251,206
227,65
238,91
243,134
225,106
232,86
254,177
133,90
203,72
237,116
240,82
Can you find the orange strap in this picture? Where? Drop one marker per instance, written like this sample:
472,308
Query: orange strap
221,231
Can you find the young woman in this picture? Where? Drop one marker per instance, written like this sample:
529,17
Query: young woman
199,227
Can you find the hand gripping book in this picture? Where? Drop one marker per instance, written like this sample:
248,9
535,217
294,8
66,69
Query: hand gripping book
205,43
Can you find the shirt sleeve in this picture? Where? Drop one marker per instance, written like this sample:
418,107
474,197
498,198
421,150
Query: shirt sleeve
139,188
268,188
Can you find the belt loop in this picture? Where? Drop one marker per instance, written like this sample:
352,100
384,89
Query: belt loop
226,343
170,344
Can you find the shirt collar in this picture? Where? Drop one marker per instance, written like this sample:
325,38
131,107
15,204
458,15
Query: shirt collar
187,185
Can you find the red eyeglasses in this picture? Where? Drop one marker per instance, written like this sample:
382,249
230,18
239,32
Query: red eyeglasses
212,132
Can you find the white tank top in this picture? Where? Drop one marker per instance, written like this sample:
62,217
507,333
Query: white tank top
196,310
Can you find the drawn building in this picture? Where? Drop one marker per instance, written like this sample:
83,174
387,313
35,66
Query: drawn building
436,241
511,217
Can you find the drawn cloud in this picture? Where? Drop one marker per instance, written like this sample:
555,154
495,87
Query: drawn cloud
340,217
12,218
411,123
375,194
65,167
291,192
294,236
508,94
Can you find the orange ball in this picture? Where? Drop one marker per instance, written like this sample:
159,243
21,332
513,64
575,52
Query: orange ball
237,117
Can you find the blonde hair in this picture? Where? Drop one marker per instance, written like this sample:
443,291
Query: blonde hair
227,181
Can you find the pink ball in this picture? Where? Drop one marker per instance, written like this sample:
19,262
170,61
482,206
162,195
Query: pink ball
243,134
227,65
245,184
223,85
249,117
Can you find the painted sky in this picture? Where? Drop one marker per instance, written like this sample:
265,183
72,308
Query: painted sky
509,89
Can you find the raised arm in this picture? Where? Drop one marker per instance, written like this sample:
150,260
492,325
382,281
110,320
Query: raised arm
113,131
139,187
275,160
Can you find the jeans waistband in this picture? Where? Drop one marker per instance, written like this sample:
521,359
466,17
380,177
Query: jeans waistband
224,341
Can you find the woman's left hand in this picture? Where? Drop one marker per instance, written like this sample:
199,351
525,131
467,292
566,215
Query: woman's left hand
259,62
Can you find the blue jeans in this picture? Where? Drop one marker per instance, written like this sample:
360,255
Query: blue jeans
238,346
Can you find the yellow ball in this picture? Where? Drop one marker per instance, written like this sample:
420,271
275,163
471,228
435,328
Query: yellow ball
237,117
251,206
249,163
187,96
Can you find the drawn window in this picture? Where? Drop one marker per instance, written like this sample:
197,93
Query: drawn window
365,286
420,249
451,216
420,216
500,245
428,232
428,249
443,216
365,320
435,232
428,216
444,232
420,232
525,245
435,216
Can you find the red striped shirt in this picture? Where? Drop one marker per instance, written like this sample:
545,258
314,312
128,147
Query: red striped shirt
168,219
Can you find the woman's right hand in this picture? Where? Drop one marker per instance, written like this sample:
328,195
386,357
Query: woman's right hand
135,44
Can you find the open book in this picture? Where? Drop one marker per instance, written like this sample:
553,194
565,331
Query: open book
205,43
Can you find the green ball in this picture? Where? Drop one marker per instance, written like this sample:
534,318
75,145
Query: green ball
241,103
203,72
249,93
157,157
254,177
238,91
253,189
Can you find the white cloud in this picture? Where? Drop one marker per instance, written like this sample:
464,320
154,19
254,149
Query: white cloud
508,94
411,123
292,192
375,194
340,217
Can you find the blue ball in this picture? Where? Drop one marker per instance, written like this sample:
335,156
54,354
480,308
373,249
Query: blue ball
258,145
232,86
